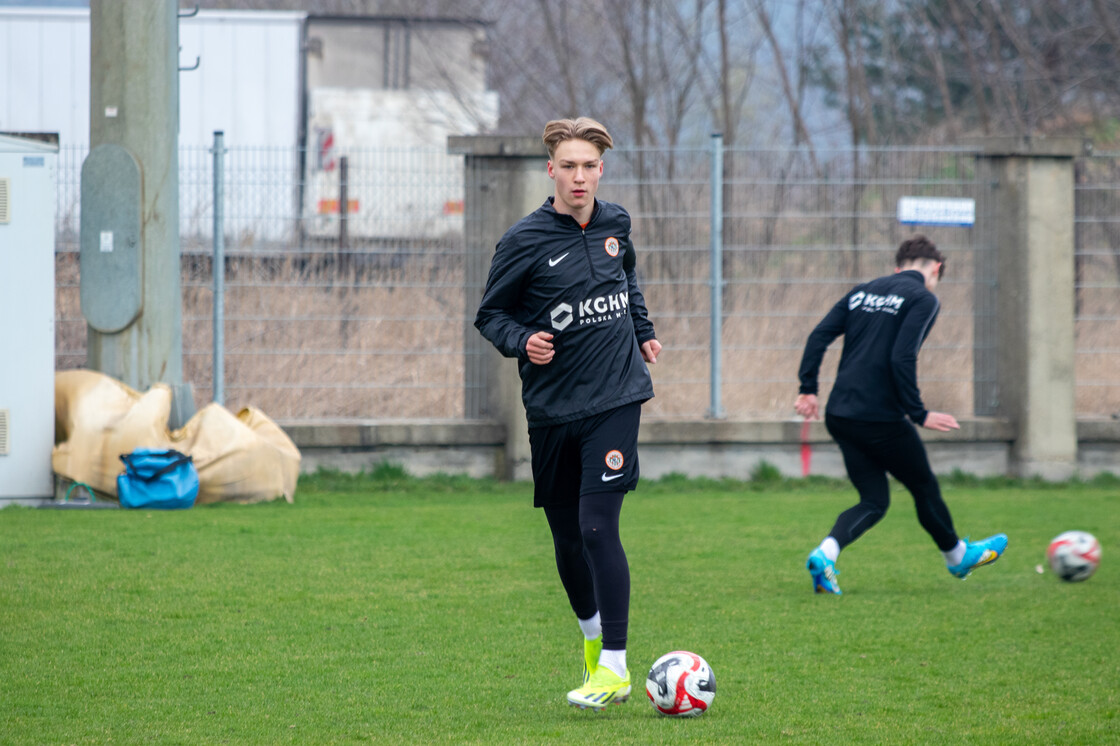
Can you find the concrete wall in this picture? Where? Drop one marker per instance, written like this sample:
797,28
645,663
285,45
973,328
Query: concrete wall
709,448
424,448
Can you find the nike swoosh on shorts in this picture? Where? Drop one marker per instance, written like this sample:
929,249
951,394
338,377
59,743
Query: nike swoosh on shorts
607,478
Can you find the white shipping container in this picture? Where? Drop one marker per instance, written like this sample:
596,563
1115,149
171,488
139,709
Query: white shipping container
410,189
246,83
44,72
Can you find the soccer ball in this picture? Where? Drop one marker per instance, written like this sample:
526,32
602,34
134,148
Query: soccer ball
1074,555
681,684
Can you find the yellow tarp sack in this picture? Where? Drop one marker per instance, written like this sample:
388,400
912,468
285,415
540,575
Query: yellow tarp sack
245,458
97,418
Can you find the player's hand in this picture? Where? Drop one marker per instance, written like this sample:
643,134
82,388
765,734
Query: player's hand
539,348
650,350
941,421
807,406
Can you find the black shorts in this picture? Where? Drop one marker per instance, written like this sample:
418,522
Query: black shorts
595,454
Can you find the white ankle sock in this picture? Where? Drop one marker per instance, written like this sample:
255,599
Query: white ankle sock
955,555
592,627
831,548
615,660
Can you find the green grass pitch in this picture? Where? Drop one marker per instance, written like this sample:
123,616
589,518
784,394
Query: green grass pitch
386,609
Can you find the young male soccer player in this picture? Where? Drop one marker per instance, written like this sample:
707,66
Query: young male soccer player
562,297
884,323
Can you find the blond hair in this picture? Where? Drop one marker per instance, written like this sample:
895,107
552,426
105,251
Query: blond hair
583,128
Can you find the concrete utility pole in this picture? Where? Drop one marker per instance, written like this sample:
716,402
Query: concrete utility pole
131,296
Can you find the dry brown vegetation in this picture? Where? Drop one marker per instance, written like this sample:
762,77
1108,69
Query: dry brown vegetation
321,343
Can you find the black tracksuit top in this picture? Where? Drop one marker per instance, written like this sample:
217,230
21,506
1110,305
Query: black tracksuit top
579,284
884,323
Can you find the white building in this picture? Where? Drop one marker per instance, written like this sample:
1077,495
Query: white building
246,83
314,89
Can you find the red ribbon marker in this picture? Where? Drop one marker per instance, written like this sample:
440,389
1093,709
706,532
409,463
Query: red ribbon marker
806,449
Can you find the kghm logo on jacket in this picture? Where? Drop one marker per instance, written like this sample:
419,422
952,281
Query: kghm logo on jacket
611,246
872,303
592,310
561,317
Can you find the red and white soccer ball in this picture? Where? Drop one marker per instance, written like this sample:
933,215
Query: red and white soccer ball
681,684
1074,555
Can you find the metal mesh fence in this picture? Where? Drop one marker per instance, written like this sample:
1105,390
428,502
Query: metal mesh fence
799,229
1097,277
363,314
314,327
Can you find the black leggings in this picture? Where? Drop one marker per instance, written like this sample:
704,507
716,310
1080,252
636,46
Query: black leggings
592,563
871,450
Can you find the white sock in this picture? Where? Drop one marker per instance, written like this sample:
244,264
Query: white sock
592,627
955,555
831,548
615,660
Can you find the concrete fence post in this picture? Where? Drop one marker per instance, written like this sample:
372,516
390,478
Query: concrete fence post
1033,205
505,179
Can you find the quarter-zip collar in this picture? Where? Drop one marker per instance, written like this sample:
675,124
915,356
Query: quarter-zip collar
561,216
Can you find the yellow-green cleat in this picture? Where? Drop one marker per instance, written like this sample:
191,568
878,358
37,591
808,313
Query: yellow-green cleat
603,687
591,650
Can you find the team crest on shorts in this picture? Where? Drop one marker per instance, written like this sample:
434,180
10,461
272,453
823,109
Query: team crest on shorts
611,245
614,460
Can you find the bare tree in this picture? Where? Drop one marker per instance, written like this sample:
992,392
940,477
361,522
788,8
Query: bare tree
921,27
560,41
979,84
801,131
678,57
1107,18
664,71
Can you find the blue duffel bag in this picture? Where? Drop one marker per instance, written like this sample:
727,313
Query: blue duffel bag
164,479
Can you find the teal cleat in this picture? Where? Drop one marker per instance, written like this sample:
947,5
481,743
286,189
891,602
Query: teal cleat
983,552
824,573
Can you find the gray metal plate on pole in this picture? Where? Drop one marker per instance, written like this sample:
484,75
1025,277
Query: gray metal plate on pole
110,247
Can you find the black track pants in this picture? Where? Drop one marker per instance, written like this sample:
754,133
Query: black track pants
872,450
592,563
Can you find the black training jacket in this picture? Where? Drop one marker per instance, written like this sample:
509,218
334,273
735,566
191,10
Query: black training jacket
548,274
884,323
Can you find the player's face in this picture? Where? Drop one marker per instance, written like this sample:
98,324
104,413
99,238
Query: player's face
576,168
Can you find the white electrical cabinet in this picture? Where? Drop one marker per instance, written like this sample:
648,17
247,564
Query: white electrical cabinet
28,171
